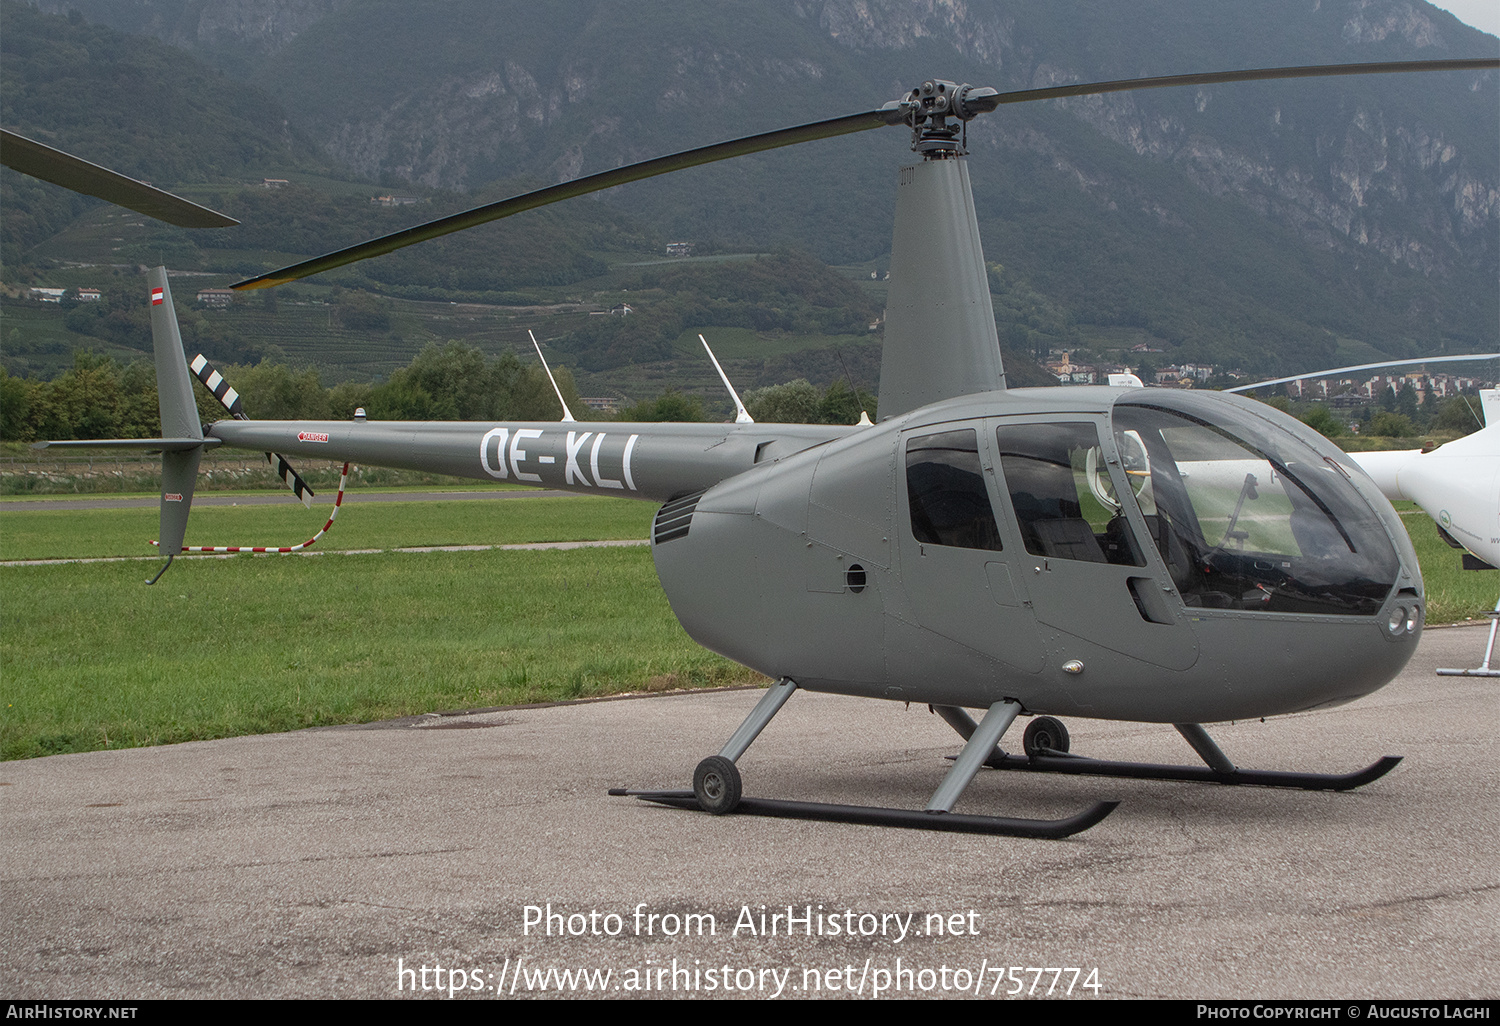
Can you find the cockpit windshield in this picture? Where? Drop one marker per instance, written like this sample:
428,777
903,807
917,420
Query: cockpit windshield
1247,517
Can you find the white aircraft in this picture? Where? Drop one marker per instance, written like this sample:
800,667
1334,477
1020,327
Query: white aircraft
1458,485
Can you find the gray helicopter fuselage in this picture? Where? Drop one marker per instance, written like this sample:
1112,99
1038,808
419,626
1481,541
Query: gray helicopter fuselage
822,573
806,551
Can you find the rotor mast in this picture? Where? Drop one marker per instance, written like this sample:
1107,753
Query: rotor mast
940,338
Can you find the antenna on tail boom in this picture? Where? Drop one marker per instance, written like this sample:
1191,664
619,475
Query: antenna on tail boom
741,415
567,417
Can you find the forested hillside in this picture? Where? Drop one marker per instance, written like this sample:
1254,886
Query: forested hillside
152,112
1275,227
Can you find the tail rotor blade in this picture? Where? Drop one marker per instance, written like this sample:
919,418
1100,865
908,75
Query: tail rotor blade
290,478
215,383
230,400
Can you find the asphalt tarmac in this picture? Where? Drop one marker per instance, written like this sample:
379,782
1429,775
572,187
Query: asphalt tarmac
417,857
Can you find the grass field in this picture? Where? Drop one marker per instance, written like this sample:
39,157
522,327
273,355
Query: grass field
81,534
90,658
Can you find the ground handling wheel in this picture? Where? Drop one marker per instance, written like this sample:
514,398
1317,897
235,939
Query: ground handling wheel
716,785
1046,736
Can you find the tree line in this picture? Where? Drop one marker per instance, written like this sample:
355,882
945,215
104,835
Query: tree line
99,398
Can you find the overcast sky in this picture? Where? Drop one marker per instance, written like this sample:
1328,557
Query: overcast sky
1482,14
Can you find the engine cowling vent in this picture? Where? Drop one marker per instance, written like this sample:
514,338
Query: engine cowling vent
673,520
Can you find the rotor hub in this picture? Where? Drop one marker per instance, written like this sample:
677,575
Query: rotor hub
939,111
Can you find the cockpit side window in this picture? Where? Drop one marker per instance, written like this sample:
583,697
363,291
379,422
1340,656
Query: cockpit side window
1244,525
1064,499
945,488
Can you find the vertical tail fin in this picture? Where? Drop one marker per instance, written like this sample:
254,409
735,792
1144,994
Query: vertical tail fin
940,338
179,418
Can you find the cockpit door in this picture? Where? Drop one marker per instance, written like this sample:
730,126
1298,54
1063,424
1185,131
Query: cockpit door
1092,573
958,572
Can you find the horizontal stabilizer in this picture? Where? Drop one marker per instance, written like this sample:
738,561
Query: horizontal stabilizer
148,444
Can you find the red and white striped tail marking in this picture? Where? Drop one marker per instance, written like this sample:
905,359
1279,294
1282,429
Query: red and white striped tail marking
156,297
337,502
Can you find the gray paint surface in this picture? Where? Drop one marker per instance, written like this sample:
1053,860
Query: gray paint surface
939,292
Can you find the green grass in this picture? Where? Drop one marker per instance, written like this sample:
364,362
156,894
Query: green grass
93,659
90,658
80,534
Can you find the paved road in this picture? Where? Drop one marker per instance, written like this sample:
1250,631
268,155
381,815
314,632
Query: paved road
316,863
241,499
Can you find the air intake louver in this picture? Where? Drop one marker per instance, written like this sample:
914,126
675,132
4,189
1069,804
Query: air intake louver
674,519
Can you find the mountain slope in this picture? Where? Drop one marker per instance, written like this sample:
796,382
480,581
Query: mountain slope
1258,224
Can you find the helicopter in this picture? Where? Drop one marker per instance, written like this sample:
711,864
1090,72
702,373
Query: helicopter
1105,552
1456,484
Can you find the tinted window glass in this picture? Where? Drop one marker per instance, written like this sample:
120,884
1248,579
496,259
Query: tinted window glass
945,489
1248,518
1061,490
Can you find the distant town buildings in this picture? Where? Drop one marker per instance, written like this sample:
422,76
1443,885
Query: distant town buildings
602,403
679,249
1342,393
395,201
89,295
1181,375
1185,375
274,183
216,297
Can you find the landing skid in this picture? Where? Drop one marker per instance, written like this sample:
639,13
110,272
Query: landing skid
1152,771
717,786
1042,757
870,815
1483,669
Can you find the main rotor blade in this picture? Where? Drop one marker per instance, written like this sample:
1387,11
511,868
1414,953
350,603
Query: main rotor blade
891,114
578,187
1217,77
52,165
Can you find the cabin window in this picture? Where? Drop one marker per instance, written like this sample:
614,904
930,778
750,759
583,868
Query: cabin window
945,489
1256,522
1063,496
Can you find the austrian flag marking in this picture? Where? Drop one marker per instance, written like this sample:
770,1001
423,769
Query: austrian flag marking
156,297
